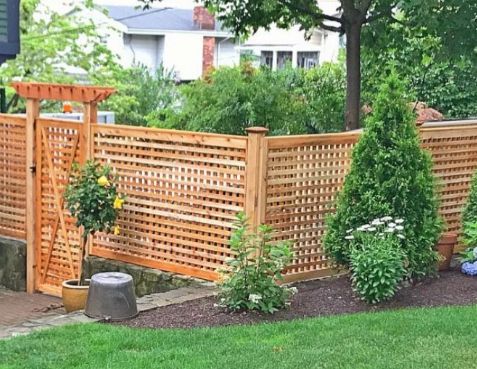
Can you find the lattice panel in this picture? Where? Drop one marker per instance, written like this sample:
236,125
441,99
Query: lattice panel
58,249
12,176
454,153
303,177
183,191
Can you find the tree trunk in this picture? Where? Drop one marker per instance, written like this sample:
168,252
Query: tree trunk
353,75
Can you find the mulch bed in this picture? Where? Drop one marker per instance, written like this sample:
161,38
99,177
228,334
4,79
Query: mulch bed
314,298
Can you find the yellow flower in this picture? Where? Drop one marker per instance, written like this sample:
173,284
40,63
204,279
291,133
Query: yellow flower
103,181
118,203
117,230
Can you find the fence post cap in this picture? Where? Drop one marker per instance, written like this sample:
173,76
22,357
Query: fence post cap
257,130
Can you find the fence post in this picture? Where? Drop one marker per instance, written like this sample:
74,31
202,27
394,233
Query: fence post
90,115
256,176
32,113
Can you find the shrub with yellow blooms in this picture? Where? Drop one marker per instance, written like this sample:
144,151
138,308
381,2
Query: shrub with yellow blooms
92,198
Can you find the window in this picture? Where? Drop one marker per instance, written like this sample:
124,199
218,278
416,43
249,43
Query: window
3,21
308,59
267,58
283,58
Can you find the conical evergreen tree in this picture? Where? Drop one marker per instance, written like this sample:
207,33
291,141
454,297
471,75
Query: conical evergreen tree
390,175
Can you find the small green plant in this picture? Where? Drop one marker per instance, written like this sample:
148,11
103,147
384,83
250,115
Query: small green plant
469,213
250,282
377,259
92,198
469,237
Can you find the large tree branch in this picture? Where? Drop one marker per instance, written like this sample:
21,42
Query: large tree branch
317,16
332,28
332,18
364,6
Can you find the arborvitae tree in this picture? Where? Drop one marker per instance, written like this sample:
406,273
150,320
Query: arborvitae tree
390,175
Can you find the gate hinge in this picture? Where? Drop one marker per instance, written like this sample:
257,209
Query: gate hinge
33,168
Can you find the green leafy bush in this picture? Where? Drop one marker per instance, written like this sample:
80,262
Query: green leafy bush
287,101
142,96
469,223
377,259
250,282
390,174
469,214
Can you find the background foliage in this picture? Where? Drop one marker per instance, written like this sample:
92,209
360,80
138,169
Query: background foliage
141,95
446,81
288,101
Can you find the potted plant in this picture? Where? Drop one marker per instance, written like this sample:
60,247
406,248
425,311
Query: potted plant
445,248
92,198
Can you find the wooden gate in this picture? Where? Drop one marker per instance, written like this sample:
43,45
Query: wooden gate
57,237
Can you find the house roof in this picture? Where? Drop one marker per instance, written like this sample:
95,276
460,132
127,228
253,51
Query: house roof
169,19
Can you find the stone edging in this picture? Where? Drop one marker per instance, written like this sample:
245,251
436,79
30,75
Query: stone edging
144,303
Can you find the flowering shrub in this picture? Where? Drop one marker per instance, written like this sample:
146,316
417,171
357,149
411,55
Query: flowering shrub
250,282
377,259
92,198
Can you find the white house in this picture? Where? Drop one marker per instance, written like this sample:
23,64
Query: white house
189,40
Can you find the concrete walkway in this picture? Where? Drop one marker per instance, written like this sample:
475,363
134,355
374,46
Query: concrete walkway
28,313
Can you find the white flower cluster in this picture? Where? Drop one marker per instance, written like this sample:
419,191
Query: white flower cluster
380,226
255,298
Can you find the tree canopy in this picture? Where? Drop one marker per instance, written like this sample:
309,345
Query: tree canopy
453,21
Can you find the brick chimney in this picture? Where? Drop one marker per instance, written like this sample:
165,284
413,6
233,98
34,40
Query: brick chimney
203,19
208,54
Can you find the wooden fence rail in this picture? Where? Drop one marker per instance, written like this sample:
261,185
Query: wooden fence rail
183,190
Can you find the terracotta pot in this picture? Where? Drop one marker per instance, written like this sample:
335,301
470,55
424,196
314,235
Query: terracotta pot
445,248
74,296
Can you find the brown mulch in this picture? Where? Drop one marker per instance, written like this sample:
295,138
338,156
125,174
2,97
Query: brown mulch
314,298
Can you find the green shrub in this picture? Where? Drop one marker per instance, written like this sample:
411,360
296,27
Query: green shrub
250,282
287,101
377,259
469,214
390,174
141,95
324,89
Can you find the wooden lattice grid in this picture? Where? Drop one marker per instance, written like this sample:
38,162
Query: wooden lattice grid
454,154
304,176
182,193
12,176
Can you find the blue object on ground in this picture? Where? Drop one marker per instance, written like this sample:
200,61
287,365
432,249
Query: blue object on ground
469,268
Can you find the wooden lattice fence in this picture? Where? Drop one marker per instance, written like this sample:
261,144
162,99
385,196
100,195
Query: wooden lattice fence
183,190
12,176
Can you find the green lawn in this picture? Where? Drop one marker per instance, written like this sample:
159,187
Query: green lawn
443,338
